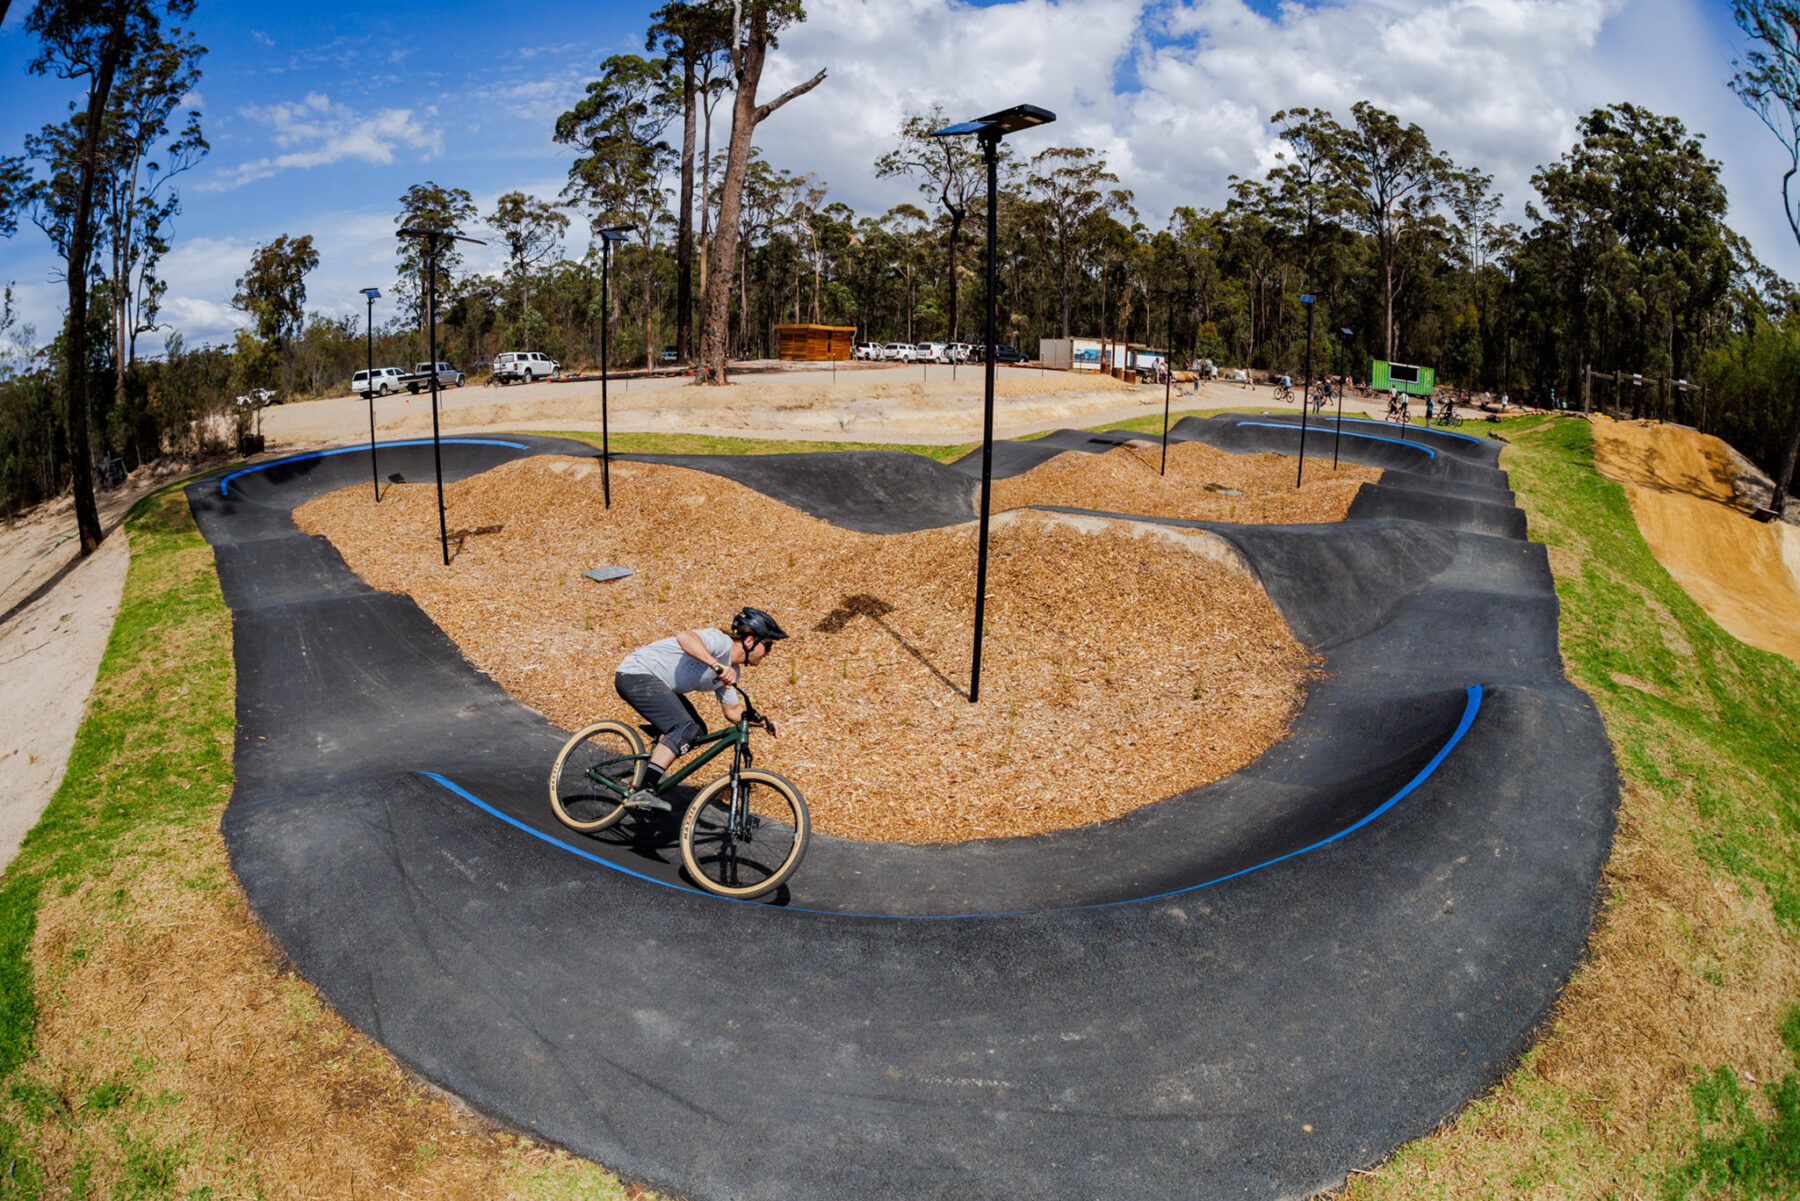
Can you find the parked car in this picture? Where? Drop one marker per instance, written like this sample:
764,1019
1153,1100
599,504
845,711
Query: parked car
671,354
960,352
933,352
900,352
526,365
420,379
1002,354
378,382
867,350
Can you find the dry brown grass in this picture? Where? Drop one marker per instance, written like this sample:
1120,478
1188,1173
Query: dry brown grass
1119,665
177,1052
1685,969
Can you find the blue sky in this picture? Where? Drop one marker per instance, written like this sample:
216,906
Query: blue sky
321,115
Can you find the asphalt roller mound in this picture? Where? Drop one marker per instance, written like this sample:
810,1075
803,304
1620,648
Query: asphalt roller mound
1252,988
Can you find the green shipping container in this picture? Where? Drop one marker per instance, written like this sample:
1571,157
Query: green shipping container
1404,377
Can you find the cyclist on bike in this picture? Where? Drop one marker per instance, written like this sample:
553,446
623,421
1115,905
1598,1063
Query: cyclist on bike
655,679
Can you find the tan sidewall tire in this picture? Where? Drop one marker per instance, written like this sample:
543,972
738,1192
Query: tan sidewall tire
637,748
802,835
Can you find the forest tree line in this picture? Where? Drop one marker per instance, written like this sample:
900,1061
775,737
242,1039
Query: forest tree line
1622,261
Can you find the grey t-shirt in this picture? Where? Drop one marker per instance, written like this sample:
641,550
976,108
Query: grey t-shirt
665,660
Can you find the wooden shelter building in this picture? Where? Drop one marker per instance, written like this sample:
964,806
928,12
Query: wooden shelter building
815,343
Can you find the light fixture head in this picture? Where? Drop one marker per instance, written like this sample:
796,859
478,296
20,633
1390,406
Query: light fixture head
372,293
998,125
616,233
414,231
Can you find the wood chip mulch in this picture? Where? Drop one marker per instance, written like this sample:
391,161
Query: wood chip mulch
1121,664
1202,483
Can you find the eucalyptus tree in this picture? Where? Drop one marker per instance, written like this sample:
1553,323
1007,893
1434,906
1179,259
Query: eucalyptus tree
616,129
1768,81
532,231
755,24
1309,191
140,202
805,213
1068,184
93,41
693,37
272,293
1393,174
949,169
1634,227
429,205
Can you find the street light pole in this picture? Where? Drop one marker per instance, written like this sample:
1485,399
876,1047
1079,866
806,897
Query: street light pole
1339,440
989,130
432,237
1305,397
369,379
1168,382
609,235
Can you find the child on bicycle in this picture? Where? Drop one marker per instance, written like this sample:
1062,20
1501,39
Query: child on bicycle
655,679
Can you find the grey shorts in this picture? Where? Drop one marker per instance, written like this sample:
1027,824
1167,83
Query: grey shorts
670,714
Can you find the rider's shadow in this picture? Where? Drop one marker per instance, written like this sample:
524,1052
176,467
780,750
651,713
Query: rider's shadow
648,834
876,610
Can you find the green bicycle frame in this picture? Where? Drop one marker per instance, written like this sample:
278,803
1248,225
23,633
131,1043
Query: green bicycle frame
735,734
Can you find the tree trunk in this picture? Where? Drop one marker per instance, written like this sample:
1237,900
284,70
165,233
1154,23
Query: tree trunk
1387,274
81,458
956,220
1785,480
684,240
711,367
746,114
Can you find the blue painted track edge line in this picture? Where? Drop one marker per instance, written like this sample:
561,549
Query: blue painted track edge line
1271,425
1471,707
224,484
1322,422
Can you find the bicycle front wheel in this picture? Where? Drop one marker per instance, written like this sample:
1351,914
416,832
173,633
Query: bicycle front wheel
753,853
597,770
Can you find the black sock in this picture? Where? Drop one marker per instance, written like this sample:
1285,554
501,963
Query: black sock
652,775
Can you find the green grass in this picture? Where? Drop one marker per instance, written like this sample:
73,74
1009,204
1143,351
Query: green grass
153,754
1703,733
1739,1151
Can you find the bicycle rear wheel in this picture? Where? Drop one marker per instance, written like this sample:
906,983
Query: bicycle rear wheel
752,857
597,769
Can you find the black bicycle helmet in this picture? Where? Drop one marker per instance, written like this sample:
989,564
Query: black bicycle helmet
755,621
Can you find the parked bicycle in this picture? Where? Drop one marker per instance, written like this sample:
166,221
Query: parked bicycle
743,834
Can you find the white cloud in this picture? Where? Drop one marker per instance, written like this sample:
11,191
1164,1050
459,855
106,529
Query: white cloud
1177,93
316,131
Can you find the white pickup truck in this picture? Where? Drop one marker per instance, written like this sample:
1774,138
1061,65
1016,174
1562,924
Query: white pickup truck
524,365
378,382
420,379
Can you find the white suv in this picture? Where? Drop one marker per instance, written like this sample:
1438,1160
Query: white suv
523,365
900,352
378,382
933,352
867,350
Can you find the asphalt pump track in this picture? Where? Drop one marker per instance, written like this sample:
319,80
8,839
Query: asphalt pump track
1248,989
